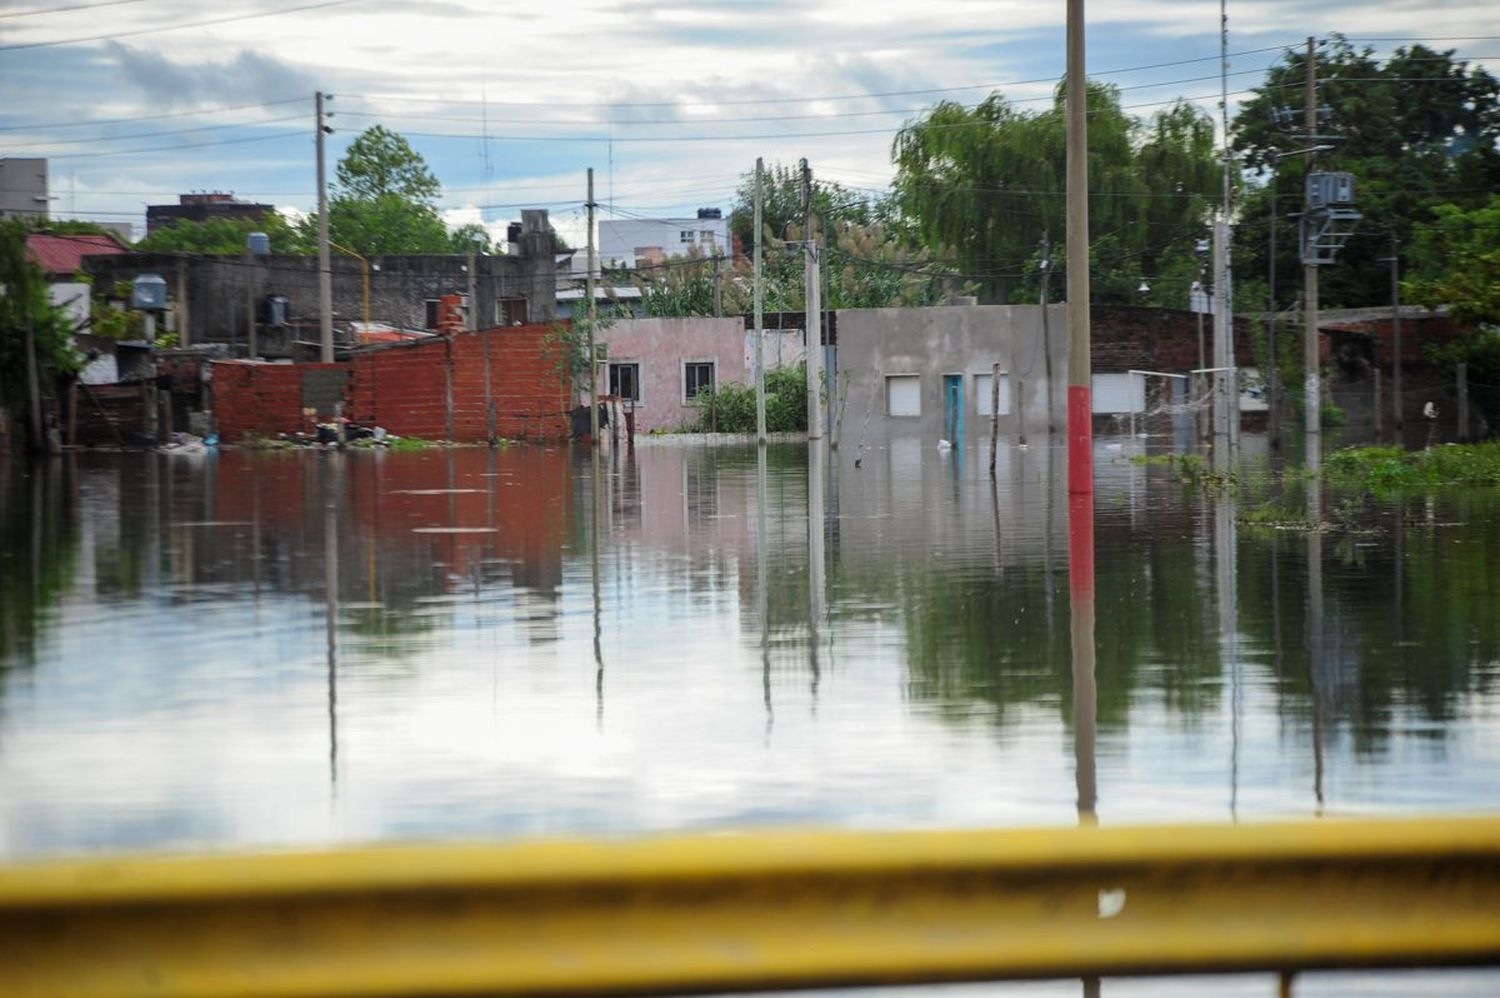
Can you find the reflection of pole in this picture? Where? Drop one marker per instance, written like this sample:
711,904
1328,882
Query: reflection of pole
596,495
1315,628
1224,562
762,594
331,609
1081,604
1080,407
816,567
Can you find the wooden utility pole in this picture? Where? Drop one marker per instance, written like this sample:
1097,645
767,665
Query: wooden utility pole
1313,405
325,273
812,317
994,413
1080,401
760,359
1223,380
593,314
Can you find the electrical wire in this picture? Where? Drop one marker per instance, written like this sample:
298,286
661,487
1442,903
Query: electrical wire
153,135
175,148
151,117
111,36
40,11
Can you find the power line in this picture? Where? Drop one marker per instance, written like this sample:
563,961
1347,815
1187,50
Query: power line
39,11
195,145
110,36
151,117
152,135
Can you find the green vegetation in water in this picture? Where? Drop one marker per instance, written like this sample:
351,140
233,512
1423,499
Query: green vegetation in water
1350,516
1395,468
1191,470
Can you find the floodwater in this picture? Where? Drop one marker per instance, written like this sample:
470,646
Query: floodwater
263,650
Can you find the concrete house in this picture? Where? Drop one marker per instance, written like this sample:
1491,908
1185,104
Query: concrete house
222,295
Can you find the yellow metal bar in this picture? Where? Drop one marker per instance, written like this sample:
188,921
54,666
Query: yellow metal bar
728,912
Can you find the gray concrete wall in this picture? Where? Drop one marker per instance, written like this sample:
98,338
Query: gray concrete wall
934,342
217,286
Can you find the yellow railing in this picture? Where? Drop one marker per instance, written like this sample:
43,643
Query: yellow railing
763,911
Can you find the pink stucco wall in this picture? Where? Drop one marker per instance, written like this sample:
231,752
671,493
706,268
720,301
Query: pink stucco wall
660,347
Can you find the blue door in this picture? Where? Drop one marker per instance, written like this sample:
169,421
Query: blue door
953,408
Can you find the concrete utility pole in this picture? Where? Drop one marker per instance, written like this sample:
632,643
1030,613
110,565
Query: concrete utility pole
1223,361
1313,405
1273,377
1047,327
1080,395
1222,278
593,314
760,360
812,313
325,274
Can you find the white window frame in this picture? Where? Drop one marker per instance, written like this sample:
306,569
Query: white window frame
686,235
916,376
713,366
610,378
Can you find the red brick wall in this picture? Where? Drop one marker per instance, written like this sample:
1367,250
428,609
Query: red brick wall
260,398
1130,337
405,388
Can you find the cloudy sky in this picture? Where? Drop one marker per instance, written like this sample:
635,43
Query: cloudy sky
135,101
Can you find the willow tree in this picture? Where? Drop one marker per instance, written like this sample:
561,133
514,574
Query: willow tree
989,182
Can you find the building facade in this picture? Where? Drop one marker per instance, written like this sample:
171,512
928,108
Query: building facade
642,242
202,207
23,188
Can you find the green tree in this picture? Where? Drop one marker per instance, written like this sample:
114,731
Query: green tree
384,199
26,312
227,236
1455,261
781,204
1417,131
989,181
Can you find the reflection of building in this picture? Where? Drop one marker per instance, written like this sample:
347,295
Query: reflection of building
201,208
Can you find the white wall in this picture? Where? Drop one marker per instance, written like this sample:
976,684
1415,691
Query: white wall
619,238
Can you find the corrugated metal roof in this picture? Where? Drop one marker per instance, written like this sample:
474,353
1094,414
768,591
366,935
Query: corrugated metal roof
64,254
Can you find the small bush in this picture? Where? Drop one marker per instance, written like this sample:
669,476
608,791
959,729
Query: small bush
729,407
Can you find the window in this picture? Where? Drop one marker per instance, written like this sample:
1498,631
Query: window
510,311
903,395
706,236
696,376
984,397
431,320
687,235
1119,393
625,381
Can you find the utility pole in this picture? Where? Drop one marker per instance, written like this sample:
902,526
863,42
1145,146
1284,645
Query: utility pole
325,274
593,314
1222,271
1223,360
1047,327
1395,261
1312,403
1080,400
1273,377
812,317
760,365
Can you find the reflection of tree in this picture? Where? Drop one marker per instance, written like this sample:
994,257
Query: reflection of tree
38,545
1427,651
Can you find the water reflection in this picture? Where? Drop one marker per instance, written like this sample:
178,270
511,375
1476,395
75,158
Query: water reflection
192,650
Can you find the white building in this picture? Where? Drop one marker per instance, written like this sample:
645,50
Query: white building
640,242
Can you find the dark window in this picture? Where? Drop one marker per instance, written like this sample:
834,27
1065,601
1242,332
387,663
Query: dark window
697,375
510,311
432,313
625,381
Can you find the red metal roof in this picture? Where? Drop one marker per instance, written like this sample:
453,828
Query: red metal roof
63,255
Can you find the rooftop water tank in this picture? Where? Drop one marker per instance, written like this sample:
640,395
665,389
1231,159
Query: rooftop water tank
258,244
149,292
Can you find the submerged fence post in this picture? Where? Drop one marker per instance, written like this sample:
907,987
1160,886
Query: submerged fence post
994,413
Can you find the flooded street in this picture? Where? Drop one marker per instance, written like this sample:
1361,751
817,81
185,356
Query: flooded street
270,649
252,650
